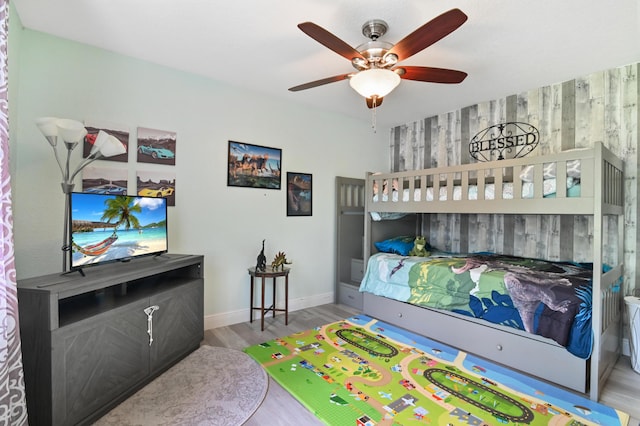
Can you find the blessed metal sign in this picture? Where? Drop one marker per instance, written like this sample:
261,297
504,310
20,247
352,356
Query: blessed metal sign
504,140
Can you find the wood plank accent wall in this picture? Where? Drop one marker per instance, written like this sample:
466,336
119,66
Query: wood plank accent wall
600,107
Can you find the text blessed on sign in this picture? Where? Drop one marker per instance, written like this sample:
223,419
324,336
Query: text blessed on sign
504,140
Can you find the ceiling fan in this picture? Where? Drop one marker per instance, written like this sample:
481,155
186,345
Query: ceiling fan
375,60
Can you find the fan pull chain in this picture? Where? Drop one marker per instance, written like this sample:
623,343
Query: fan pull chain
373,115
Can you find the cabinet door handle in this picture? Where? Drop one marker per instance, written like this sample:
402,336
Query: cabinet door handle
149,311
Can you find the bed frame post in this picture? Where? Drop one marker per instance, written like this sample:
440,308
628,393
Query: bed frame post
596,317
368,191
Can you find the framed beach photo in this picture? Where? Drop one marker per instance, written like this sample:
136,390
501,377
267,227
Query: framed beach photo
253,166
298,194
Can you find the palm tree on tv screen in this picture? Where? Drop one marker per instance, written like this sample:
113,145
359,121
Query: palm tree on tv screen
121,210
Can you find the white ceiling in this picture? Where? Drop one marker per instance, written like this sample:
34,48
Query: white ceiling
506,46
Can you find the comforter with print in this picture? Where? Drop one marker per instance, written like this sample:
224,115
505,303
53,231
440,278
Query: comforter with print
551,299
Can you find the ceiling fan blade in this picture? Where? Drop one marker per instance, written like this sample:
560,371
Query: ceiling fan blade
330,41
434,30
370,103
431,75
319,82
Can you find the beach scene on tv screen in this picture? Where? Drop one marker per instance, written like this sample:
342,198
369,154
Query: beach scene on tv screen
108,228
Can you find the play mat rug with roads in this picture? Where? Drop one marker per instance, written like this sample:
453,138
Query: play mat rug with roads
361,371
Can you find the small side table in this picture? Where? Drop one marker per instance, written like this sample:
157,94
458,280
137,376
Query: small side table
269,273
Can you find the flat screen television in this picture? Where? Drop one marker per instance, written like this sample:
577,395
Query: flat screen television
109,228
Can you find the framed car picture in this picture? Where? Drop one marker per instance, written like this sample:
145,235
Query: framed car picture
151,183
253,166
298,194
156,146
103,180
119,131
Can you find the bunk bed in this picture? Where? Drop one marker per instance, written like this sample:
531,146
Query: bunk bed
533,186
349,240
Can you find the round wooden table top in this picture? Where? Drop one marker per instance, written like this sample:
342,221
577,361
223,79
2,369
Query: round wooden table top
269,272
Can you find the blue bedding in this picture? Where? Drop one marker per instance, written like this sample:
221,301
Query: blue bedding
551,299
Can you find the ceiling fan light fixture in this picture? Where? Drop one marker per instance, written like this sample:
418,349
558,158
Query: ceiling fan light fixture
374,82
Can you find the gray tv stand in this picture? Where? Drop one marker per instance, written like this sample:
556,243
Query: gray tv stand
89,342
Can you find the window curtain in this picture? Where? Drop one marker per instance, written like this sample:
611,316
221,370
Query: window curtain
13,408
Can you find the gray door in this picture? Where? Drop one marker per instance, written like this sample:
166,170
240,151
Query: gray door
98,359
178,324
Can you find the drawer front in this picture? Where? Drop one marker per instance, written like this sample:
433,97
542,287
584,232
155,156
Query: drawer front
357,270
535,357
349,295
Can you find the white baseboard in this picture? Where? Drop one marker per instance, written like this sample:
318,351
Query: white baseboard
242,315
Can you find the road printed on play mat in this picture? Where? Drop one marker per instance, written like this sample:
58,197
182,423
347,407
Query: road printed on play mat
527,417
370,361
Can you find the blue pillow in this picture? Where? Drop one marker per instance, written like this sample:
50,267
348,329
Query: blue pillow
398,245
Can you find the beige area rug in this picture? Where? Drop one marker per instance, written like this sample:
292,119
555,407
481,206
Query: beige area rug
211,386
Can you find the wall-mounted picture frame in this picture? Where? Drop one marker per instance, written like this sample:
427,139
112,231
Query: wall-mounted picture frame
156,146
254,166
103,180
119,131
151,183
299,192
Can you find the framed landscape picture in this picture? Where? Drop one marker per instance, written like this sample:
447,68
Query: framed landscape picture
253,166
298,194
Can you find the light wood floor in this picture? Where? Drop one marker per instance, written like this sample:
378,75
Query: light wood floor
622,390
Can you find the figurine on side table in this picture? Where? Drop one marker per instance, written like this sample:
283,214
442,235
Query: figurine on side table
261,264
279,261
